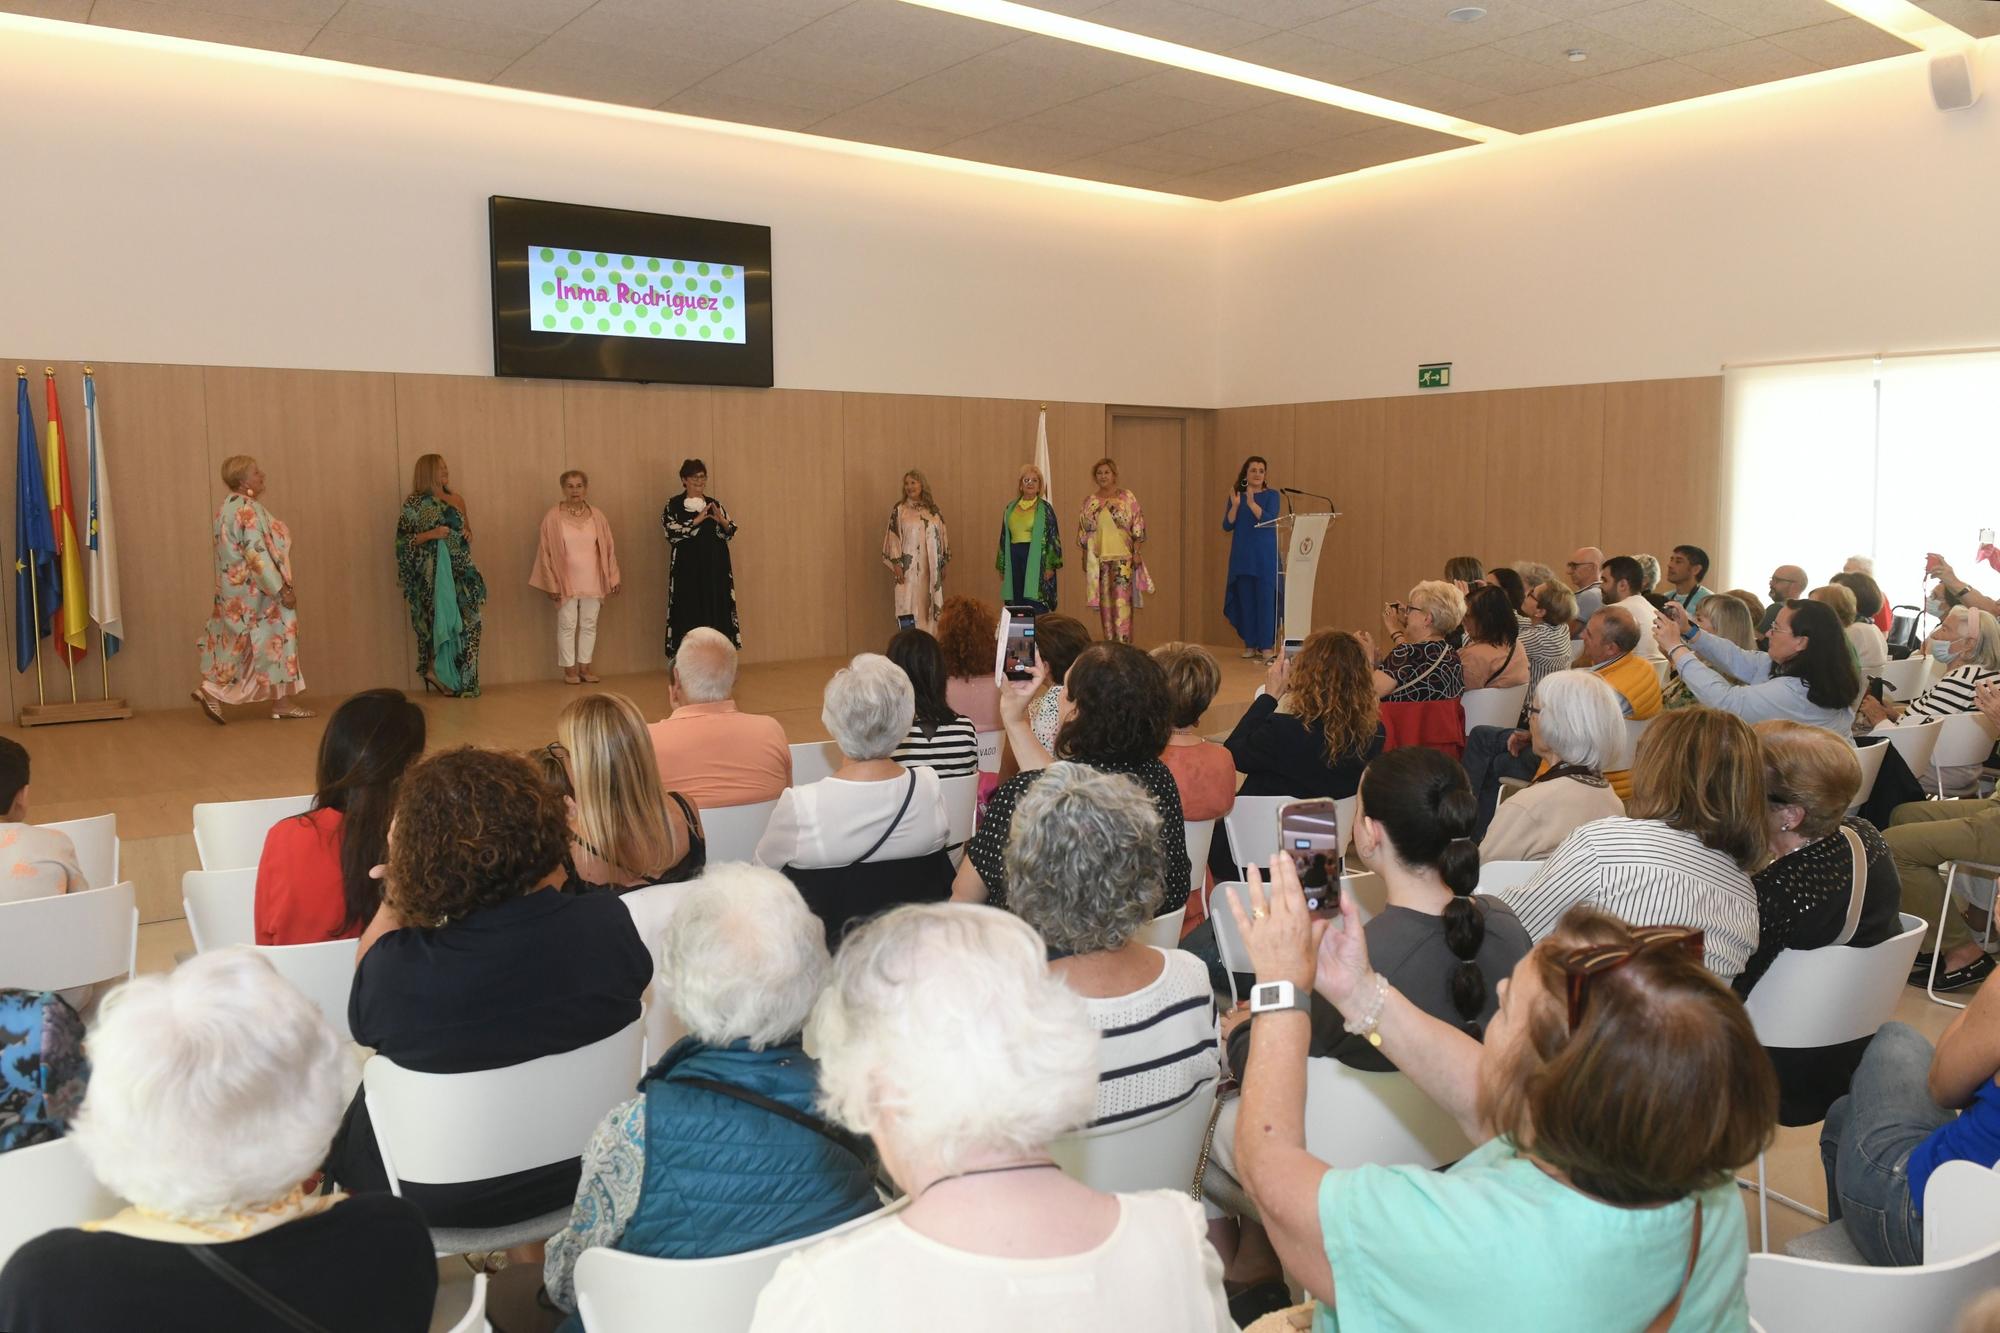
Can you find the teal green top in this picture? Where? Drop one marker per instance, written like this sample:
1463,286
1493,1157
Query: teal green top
1497,1244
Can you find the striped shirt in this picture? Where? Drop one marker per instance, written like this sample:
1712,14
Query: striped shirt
1646,874
1158,1044
1953,694
1548,650
953,750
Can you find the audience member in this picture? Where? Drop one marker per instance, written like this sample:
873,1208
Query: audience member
968,634
1493,657
1059,639
1315,726
1807,676
1593,1191
1686,568
624,830
943,1035
1682,853
1508,580
37,862
1583,571
1788,583
1549,609
1967,645
1534,573
1727,618
1871,650
940,737
214,1089
1574,729
1751,603
1623,584
1420,665
1204,771
1925,835
1083,868
474,962
1956,591
314,879
42,1069
1119,719
1869,603
698,1164
1649,570
707,750
1831,881
1464,571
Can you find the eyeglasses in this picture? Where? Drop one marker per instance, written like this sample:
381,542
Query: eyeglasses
1534,710
556,750
1584,966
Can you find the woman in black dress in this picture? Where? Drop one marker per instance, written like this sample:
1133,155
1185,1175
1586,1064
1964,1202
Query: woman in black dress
701,590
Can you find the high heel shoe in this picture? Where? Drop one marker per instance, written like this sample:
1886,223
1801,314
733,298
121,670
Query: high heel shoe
433,683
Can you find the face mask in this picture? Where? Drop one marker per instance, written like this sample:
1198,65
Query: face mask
1941,650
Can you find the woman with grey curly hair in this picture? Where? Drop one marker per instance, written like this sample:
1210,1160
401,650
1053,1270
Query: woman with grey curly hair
1084,868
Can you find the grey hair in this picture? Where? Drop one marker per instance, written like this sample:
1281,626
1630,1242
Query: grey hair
1580,718
1649,565
214,1088
1084,865
1534,572
1619,627
1986,629
870,704
1443,602
743,957
943,1031
705,666
1859,564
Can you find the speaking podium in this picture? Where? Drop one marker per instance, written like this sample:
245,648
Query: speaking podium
1301,539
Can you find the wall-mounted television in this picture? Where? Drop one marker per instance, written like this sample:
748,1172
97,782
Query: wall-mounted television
611,294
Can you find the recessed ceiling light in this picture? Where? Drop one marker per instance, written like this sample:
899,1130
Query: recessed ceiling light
1577,53
1903,19
1467,14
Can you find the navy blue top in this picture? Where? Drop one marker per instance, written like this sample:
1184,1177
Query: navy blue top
1253,551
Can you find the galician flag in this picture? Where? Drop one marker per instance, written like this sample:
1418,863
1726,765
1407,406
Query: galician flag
35,585
1042,455
102,545
70,627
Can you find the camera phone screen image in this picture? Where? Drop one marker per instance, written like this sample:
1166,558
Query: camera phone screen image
1309,832
1019,662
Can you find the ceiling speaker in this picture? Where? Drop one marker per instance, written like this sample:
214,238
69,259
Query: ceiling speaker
1954,80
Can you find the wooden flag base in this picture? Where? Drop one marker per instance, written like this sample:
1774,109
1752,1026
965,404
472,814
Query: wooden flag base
83,710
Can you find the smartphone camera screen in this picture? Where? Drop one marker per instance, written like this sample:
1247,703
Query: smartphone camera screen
1019,657
1292,647
1309,832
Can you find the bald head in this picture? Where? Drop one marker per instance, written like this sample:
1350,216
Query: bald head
1609,635
704,668
1788,582
1582,566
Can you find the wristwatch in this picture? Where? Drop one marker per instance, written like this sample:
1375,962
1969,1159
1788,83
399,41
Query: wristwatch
1268,996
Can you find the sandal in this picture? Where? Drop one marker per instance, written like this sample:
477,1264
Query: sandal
207,705
589,677
281,714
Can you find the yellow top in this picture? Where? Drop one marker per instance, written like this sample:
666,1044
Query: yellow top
1110,537
1021,521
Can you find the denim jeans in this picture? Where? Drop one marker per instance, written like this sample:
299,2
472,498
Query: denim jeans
1866,1142
1486,762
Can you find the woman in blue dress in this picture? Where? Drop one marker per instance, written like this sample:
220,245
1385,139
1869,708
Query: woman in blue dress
1251,600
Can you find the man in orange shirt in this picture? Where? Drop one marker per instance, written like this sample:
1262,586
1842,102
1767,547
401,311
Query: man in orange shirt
707,751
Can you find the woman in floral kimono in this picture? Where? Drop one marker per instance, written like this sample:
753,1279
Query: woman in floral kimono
1030,545
443,587
250,647
916,549
1110,532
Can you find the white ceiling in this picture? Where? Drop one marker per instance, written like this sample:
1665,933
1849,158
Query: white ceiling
889,73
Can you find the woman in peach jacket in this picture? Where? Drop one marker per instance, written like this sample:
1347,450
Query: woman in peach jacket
576,564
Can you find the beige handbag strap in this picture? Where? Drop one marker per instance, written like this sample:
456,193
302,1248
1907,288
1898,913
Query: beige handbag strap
1859,888
1664,1320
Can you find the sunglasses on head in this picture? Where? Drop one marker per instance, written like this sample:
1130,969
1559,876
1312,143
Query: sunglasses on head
1583,966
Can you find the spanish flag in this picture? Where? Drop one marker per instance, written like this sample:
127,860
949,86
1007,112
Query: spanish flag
72,621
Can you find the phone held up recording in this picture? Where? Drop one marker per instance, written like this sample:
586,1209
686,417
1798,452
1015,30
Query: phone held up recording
1309,833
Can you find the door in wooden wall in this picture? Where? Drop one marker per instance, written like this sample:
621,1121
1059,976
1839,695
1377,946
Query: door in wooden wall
1150,448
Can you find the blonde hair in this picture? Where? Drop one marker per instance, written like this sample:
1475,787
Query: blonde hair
424,475
1104,462
1729,618
1811,768
924,498
1840,599
235,468
1441,601
621,810
1026,468
1192,679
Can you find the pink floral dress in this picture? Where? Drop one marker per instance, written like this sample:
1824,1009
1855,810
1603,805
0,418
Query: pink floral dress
250,648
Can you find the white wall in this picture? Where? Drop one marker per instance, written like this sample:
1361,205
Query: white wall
169,202
1838,215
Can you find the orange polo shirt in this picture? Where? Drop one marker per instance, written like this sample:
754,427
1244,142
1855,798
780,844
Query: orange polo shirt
716,756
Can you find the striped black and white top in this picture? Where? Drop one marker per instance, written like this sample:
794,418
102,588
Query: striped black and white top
1952,694
953,749
1548,650
1158,1044
1646,874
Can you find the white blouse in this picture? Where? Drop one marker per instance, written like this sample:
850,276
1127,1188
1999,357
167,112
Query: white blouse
834,822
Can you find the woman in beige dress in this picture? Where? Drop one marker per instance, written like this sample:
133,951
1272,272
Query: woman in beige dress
916,550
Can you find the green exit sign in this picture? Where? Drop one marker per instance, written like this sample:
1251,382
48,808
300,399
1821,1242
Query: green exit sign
1436,375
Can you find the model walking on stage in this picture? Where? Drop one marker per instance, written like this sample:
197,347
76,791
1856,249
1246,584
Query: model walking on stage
1251,599
701,589
443,587
576,564
250,647
1030,545
1110,532
916,550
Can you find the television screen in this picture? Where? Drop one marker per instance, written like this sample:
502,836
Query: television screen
609,294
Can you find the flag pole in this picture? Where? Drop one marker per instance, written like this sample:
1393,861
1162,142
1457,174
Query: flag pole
49,372
103,658
35,598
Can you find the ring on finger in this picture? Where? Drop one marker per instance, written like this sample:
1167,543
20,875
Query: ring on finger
1258,914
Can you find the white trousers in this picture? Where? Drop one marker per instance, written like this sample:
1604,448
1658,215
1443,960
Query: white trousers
576,631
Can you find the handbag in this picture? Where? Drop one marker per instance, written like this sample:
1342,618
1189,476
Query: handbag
205,1256
1859,889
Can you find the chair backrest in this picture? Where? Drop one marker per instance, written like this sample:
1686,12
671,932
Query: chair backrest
733,831
1156,1151
96,843
1164,930
475,1309
1790,1295
1821,997
1916,742
1905,679
1228,939
221,907
1493,707
1497,875
961,808
46,1186
1252,828
989,750
1199,833
1359,1117
1964,740
324,972
1961,1211
1628,746
72,939
1871,768
230,834
439,1129
626,1293
813,760
1660,669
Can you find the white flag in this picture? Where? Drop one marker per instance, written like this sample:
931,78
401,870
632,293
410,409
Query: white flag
99,542
1042,455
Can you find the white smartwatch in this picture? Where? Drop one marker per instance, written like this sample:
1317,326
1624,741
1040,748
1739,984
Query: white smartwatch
1269,996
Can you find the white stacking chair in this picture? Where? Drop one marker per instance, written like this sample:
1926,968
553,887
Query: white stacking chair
813,760
1164,930
1906,679
70,940
1495,876
323,972
474,1320
1357,1117
1916,742
1871,768
626,1293
1365,889
229,835
1964,741
1493,707
221,907
97,847
961,808
1961,1211
1635,727
1199,833
1155,1151
1252,828
440,1129
733,831
1976,882
1664,672
1822,997
46,1186
989,750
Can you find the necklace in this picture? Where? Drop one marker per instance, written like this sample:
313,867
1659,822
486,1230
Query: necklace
983,1171
576,513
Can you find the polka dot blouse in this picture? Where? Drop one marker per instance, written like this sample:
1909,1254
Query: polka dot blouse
988,848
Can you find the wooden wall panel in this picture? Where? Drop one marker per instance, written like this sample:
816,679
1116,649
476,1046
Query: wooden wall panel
1340,454
1239,432
1663,467
884,435
1544,473
1433,495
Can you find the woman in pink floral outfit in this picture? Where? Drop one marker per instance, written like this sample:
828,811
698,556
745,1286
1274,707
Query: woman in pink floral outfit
250,648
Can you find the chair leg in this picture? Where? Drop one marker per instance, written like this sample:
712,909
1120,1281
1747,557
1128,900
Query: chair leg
1763,1210
1937,949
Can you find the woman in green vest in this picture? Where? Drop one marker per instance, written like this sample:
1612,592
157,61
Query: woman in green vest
1030,546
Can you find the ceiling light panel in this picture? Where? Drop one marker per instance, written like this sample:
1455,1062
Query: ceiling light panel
1907,21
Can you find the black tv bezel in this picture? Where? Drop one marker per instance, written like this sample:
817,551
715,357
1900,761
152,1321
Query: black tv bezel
519,352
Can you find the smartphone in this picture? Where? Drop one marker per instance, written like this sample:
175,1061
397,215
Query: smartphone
1015,654
1875,687
1292,647
1309,832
